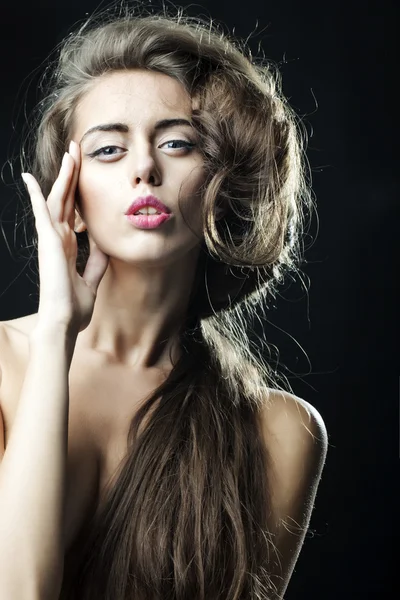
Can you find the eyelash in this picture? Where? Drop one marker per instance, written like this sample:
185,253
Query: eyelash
189,146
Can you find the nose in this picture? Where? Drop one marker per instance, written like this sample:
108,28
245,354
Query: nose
143,168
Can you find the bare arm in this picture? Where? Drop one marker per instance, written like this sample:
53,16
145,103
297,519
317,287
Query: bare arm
33,468
297,440
33,473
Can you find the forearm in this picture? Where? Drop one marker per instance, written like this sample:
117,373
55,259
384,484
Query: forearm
33,473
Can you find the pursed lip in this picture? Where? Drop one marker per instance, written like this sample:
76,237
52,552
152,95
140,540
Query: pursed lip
147,201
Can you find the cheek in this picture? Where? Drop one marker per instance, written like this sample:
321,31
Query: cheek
90,188
86,180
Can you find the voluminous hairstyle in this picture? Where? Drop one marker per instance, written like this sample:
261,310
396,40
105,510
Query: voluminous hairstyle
187,512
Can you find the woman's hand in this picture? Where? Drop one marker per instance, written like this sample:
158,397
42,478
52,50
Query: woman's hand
65,296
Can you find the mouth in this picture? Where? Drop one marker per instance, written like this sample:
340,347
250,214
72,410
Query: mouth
148,211
147,204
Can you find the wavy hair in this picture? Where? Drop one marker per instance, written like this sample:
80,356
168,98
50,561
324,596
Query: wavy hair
186,514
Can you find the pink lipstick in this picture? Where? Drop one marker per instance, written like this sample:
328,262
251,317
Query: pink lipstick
144,201
150,220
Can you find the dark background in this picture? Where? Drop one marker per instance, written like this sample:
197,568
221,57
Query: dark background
337,341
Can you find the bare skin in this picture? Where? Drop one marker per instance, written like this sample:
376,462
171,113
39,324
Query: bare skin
97,435
97,432
123,352
144,292
134,293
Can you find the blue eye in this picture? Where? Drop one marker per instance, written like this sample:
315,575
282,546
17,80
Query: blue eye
189,145
110,150
103,151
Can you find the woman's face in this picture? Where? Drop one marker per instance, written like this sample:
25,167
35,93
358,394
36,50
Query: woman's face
134,158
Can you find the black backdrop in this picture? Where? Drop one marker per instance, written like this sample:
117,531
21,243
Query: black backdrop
337,341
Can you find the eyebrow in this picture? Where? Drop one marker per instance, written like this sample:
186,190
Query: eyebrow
123,128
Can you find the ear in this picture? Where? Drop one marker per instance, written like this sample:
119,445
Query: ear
79,225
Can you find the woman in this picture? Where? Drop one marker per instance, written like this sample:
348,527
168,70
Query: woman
148,453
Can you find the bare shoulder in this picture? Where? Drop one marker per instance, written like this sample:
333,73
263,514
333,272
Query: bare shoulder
3,345
289,417
22,325
13,338
13,353
296,439
14,335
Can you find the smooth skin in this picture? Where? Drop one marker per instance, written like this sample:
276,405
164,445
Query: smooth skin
144,294
33,469
132,294
64,294
141,303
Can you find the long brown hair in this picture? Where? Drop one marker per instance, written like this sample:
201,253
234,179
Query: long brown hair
187,511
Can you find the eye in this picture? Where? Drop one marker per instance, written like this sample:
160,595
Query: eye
106,151
188,145
110,151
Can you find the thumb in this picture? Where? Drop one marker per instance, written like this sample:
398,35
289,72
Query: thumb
95,267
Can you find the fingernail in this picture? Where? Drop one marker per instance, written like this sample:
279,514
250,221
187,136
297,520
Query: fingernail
24,179
71,145
64,158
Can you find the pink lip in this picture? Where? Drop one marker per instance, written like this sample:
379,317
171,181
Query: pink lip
148,221
147,201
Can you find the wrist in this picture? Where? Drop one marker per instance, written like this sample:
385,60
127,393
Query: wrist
53,332
57,337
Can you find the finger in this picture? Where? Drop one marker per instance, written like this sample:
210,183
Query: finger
69,205
58,193
39,206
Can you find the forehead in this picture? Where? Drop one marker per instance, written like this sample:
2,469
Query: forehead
138,96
